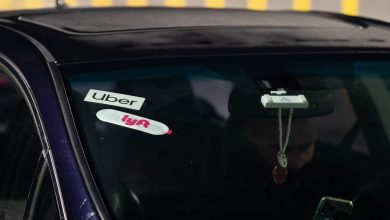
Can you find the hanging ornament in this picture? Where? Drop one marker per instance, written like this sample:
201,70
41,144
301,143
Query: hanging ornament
280,172
280,100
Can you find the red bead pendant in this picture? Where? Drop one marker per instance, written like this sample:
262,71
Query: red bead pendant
279,174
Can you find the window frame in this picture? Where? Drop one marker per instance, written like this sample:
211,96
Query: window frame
36,188
11,70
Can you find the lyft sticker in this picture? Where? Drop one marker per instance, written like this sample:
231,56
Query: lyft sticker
133,121
115,99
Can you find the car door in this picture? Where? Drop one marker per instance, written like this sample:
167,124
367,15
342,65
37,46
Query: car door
26,189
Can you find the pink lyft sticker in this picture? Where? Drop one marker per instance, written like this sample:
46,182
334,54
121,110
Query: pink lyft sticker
133,121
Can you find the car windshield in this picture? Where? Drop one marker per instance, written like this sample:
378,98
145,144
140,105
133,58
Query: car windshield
210,139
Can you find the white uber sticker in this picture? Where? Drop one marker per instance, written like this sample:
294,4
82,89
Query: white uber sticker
133,121
115,99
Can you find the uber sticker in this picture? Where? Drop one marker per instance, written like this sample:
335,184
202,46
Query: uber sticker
133,121
115,99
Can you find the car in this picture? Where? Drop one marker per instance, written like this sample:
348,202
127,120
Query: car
172,113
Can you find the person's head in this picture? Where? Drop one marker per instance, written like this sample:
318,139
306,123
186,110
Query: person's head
264,133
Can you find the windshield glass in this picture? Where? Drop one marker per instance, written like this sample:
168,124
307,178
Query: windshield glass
200,139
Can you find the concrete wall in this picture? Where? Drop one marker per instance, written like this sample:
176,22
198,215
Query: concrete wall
379,9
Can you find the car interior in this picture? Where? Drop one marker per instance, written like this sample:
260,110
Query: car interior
208,169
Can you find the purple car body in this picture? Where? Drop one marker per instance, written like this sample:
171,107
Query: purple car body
34,48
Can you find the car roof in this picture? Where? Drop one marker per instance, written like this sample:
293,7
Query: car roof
84,35
122,19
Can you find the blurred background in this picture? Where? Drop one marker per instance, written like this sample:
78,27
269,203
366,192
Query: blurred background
379,9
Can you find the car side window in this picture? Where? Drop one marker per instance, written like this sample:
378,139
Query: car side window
46,206
20,149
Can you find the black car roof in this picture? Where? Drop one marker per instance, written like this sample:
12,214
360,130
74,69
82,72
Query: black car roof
119,19
82,35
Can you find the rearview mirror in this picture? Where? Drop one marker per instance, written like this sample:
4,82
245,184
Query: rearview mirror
246,103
